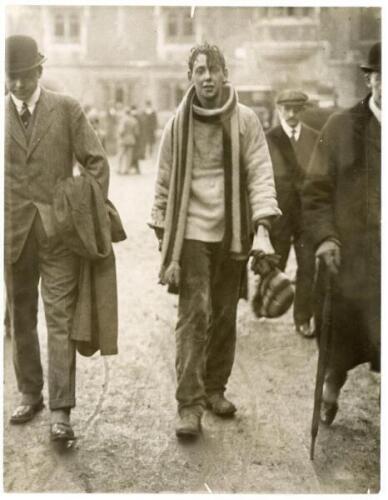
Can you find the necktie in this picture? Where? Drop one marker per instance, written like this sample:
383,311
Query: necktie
25,115
293,136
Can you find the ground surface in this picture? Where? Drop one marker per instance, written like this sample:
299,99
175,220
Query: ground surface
125,410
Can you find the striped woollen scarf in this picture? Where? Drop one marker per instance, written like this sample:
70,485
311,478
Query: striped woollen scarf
237,226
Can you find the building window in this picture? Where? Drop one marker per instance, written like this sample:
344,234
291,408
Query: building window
188,26
276,12
67,27
119,95
179,24
172,25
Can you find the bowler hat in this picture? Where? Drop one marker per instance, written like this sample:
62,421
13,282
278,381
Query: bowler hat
21,54
274,295
374,59
293,97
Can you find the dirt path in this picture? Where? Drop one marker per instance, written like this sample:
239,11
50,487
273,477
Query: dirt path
125,410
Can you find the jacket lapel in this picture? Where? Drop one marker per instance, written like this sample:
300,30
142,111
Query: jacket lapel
285,148
43,120
13,126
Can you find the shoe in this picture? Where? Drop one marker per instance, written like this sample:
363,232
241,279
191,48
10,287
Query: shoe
189,425
305,330
61,431
25,412
221,406
328,412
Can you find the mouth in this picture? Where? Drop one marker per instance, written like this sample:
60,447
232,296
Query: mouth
19,93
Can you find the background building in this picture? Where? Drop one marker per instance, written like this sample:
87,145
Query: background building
111,56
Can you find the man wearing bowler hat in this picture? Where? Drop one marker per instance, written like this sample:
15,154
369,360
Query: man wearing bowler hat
45,132
342,209
291,144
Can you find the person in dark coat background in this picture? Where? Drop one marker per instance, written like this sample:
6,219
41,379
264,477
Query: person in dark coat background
150,121
291,144
342,209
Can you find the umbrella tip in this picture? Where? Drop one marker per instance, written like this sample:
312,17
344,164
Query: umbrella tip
312,451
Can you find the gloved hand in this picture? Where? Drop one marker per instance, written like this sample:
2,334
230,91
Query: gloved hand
263,253
159,232
329,251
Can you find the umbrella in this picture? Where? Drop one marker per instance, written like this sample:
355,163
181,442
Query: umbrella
324,345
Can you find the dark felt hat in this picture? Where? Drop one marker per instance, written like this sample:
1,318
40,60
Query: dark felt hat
21,54
293,97
374,59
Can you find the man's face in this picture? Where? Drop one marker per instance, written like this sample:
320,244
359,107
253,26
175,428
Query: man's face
374,83
290,113
22,85
207,79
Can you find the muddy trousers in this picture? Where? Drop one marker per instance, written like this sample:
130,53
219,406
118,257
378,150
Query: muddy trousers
58,270
206,327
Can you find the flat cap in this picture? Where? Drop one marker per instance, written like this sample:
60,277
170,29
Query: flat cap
290,96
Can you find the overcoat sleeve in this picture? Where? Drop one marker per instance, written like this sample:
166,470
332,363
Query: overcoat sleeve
164,165
318,194
258,168
87,147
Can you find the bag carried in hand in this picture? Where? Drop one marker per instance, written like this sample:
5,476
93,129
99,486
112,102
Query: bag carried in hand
274,295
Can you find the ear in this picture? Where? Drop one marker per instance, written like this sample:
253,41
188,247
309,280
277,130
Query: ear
226,74
367,79
189,75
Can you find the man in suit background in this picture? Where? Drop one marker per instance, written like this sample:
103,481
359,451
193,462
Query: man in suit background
45,133
291,144
128,133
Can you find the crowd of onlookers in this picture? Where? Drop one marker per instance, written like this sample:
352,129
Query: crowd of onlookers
128,132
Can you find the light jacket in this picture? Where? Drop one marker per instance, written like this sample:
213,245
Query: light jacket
256,159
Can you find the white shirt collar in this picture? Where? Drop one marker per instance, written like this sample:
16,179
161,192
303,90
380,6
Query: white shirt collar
31,102
375,109
288,130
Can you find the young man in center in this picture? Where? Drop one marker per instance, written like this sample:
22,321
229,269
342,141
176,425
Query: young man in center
214,192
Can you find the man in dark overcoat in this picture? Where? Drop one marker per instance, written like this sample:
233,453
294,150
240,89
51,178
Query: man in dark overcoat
342,206
291,144
45,133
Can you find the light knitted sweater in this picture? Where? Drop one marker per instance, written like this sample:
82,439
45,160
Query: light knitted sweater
205,215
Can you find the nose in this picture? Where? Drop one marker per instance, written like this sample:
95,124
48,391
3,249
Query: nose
206,74
18,83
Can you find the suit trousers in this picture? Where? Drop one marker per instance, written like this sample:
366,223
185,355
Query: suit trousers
58,269
206,327
282,239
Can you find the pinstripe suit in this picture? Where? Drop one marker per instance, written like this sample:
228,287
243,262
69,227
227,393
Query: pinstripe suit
34,163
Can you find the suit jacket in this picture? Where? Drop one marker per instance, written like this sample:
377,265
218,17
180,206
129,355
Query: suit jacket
290,168
61,134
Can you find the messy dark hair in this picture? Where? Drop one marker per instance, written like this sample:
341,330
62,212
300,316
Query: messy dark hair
213,54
